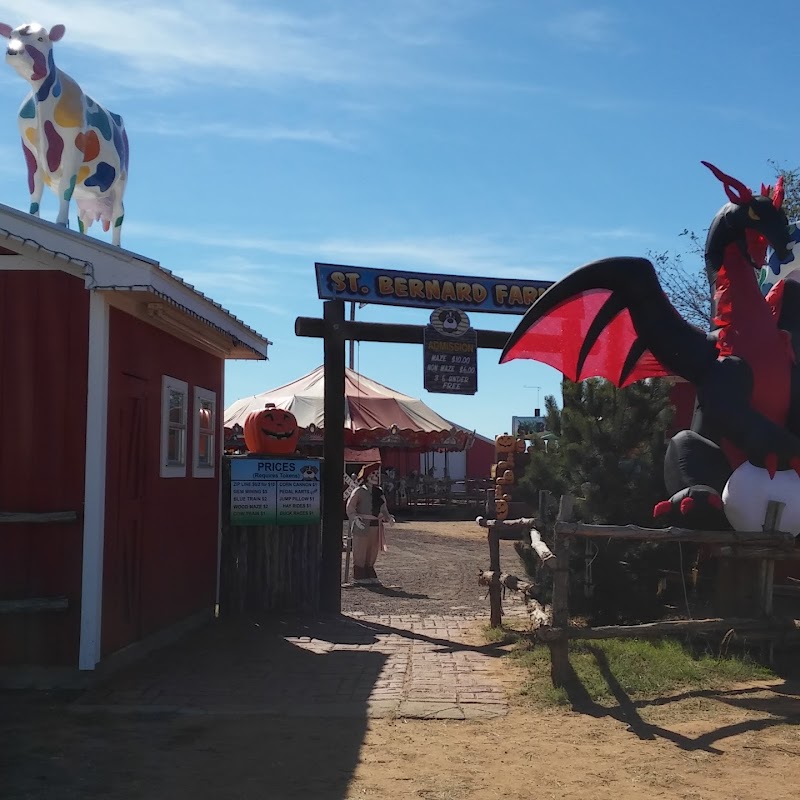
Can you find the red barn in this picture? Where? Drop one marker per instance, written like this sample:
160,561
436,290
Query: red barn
111,385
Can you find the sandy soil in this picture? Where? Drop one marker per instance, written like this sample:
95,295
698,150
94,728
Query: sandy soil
742,743
730,746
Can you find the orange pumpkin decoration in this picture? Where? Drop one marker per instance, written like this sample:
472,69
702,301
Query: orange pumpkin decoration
271,431
504,444
501,510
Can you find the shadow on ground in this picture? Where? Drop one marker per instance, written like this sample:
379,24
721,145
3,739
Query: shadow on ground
779,704
241,710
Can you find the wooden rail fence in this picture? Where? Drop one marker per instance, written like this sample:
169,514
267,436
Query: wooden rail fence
552,625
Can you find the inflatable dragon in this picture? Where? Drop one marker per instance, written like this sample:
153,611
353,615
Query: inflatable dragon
611,319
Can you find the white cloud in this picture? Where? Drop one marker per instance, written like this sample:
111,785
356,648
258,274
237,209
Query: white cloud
220,130
184,44
552,249
585,28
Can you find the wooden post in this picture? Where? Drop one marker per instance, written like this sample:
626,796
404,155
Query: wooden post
772,523
559,648
495,590
766,572
543,494
330,594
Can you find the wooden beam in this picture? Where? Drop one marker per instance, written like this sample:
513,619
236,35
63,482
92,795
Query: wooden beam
635,533
559,649
775,626
29,605
330,594
538,613
755,552
488,577
495,594
37,518
391,333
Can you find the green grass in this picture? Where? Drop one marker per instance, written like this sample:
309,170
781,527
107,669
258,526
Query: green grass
498,635
640,668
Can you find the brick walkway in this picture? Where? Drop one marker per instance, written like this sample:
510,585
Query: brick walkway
430,667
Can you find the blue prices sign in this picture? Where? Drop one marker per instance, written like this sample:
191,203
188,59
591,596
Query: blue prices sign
275,491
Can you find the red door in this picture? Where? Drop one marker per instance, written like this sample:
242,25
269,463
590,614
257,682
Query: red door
122,560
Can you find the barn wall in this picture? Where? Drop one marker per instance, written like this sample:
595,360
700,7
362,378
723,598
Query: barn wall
43,373
480,458
160,551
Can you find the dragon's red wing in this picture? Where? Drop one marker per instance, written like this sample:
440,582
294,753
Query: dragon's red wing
573,338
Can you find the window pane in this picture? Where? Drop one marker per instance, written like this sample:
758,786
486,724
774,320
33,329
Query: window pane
206,416
205,455
176,450
177,406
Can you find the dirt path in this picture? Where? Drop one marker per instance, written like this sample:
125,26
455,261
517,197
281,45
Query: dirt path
432,568
738,745
741,743
735,746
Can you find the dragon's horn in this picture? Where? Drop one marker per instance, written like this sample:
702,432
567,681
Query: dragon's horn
732,186
778,194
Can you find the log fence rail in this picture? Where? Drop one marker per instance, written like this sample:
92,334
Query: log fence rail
552,626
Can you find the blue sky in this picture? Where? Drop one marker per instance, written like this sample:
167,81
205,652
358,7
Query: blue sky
499,138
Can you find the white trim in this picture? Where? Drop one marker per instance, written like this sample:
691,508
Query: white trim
168,383
220,451
94,494
201,470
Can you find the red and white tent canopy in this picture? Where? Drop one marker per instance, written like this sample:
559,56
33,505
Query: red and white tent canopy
375,415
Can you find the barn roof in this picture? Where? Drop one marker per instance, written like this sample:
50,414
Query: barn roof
135,283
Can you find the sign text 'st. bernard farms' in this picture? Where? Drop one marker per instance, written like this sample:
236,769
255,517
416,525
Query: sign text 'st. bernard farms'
424,290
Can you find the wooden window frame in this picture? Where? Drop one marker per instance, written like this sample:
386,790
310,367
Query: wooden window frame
168,385
204,470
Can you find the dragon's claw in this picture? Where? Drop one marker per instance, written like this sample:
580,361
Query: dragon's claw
662,508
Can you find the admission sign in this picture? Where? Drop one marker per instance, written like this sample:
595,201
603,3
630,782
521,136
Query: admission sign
426,290
450,353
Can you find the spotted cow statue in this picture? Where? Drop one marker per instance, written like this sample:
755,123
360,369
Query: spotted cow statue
71,143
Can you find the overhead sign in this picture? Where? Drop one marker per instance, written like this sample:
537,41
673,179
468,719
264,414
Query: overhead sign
450,353
426,290
275,491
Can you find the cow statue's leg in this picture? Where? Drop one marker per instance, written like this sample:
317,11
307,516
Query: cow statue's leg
65,190
117,215
35,179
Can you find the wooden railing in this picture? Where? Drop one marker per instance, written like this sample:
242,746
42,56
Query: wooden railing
29,605
552,625
38,517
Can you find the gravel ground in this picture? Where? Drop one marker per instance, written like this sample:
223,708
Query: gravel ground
431,567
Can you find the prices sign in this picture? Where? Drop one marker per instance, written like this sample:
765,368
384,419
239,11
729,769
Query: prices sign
275,491
450,353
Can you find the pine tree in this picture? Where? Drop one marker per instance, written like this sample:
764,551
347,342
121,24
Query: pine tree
610,455
610,451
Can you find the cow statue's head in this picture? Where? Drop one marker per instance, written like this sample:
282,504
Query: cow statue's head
29,49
